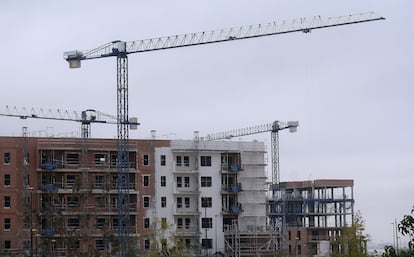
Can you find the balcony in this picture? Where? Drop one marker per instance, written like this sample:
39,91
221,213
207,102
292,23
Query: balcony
233,188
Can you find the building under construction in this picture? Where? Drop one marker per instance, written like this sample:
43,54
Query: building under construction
309,215
59,198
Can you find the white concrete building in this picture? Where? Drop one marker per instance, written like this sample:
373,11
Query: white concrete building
204,189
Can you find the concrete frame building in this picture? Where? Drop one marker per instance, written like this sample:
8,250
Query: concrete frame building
58,197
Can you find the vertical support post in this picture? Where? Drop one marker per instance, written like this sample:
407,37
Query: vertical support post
123,154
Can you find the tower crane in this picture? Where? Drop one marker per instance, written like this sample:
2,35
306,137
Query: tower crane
121,50
84,117
274,128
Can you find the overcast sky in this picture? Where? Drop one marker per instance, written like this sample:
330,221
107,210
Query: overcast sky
350,87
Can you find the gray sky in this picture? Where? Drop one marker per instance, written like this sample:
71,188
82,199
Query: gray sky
349,87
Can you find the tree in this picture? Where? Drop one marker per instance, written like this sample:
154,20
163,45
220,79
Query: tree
165,242
353,240
406,227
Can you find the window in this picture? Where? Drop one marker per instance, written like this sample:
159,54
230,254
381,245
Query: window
7,224
145,180
299,250
163,201
186,181
298,235
205,160
114,201
163,160
146,244
71,180
7,202
115,223
101,159
146,201
180,223
72,158
187,202
179,202
146,222
207,243
7,179
179,182
26,244
178,161
73,223
100,201
206,222
100,223
99,181
100,245
145,159
163,181
187,223
73,201
205,181
186,161
26,159
206,202
6,159
7,244
163,223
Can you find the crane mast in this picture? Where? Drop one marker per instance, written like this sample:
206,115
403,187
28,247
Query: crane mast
121,49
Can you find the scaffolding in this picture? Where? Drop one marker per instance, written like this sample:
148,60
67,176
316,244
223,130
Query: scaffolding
311,212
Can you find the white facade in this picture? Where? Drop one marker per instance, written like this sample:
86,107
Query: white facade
204,188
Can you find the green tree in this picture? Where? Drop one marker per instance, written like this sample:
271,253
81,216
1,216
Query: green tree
166,242
406,227
353,240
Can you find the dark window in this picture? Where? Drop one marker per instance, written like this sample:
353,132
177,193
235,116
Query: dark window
7,180
186,161
205,181
187,223
7,224
100,201
207,243
163,181
180,223
186,181
146,202
179,161
7,202
179,202
145,159
163,160
206,222
100,223
73,223
100,245
187,202
179,182
146,244
101,158
6,158
7,244
206,202
163,201
205,160
99,181
73,201
145,181
71,180
146,222
72,158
